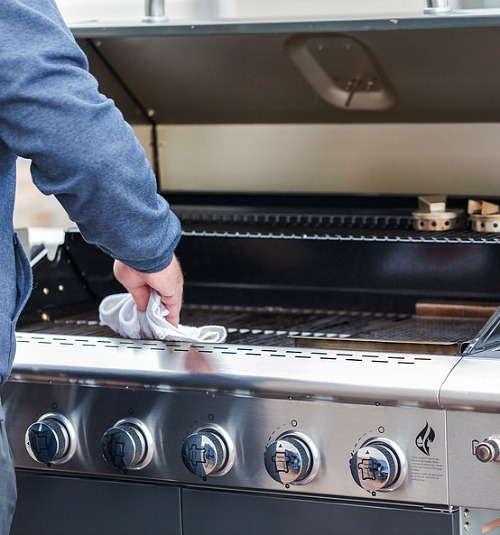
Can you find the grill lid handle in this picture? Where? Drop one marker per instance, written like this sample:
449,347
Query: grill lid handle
488,338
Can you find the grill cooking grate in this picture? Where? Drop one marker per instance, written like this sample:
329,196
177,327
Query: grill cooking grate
270,225
275,327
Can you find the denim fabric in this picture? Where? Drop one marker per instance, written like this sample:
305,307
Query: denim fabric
82,151
8,492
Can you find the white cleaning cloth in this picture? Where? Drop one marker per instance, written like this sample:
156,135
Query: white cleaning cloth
120,312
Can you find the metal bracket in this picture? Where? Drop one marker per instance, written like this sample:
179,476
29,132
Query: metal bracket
343,71
155,11
437,7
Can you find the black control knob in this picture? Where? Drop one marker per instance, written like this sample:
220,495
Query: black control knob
127,445
205,453
379,465
488,450
292,459
51,439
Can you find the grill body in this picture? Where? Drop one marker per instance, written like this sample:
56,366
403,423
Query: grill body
255,394
360,375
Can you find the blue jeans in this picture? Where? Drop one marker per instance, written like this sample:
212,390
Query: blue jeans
8,492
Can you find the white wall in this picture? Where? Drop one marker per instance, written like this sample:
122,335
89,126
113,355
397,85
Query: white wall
32,209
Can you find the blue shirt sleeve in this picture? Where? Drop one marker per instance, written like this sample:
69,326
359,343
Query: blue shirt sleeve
81,148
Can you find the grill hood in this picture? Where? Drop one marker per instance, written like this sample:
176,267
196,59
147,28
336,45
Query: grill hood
418,70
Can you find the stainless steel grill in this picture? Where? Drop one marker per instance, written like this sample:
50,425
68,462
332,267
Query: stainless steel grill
358,387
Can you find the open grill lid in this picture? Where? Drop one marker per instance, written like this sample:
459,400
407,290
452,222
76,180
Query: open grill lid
429,69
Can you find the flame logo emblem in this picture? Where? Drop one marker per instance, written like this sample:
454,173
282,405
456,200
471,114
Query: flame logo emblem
425,438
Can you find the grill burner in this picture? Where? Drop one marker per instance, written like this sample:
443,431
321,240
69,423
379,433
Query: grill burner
433,215
485,216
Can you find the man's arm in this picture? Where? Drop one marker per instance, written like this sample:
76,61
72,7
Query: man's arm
81,148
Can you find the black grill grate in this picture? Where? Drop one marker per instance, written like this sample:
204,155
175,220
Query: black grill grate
276,327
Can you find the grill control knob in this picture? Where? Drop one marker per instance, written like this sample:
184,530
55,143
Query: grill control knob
51,439
379,465
127,445
488,450
208,452
292,459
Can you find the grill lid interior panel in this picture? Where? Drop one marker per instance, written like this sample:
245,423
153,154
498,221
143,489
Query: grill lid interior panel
407,70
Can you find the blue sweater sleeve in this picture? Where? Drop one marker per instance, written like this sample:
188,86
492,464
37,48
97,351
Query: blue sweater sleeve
82,150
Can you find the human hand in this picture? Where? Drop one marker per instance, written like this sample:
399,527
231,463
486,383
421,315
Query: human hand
168,283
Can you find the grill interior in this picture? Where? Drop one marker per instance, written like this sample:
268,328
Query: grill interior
272,276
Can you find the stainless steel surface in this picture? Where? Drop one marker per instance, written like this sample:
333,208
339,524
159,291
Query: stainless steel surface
437,7
425,416
471,398
155,11
472,483
337,400
473,385
351,376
